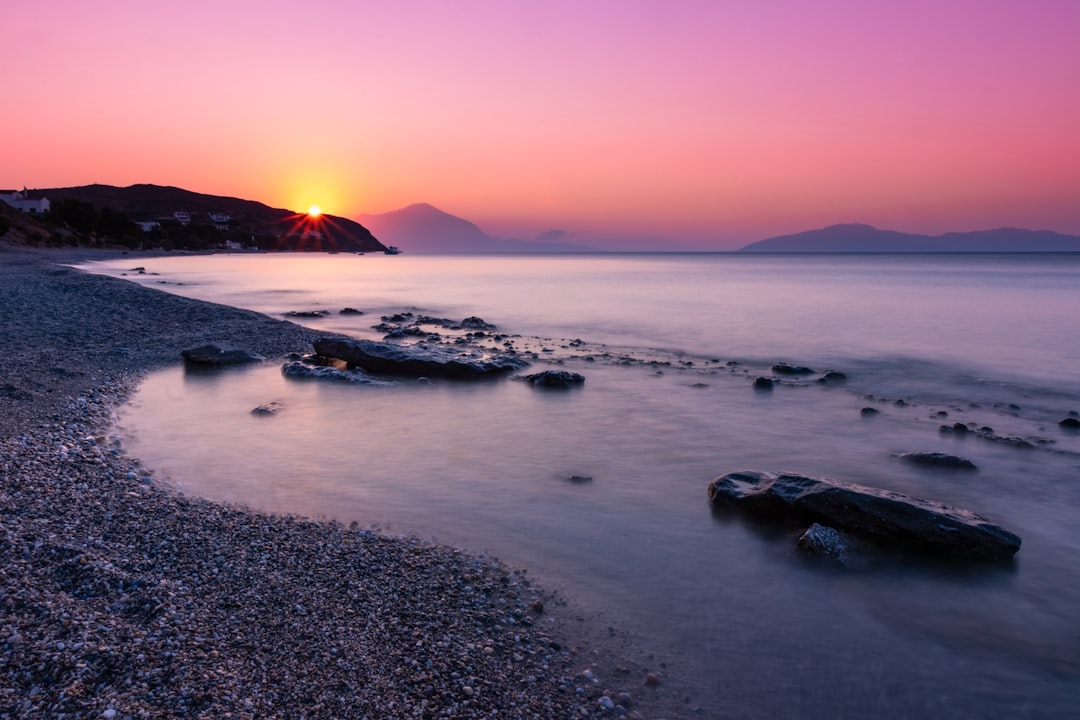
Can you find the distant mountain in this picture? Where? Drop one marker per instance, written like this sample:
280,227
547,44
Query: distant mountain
422,228
291,230
856,238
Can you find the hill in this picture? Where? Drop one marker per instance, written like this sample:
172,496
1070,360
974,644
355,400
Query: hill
271,228
423,228
856,238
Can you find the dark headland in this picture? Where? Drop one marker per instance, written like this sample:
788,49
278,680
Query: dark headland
123,599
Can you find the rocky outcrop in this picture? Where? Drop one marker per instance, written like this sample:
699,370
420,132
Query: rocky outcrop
937,459
416,360
763,383
887,518
214,355
555,379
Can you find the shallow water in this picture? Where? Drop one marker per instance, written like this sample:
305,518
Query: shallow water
753,628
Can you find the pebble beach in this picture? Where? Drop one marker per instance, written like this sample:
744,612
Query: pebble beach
120,598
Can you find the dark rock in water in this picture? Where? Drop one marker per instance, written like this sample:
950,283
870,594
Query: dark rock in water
763,383
869,412
306,314
1070,423
350,311
832,376
270,408
416,360
959,428
556,379
888,518
325,372
785,369
579,479
475,323
825,541
939,460
214,355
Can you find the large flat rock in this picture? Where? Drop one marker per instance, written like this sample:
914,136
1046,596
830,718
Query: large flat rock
420,359
888,518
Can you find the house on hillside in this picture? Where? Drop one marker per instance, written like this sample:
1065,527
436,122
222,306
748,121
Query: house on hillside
182,217
22,200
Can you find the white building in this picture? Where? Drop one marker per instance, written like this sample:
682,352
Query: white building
21,200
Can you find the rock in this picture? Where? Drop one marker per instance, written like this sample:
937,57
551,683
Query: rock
416,360
270,408
214,355
1070,423
350,311
475,323
306,314
888,518
832,376
579,479
785,369
557,379
869,412
320,372
939,460
763,383
825,541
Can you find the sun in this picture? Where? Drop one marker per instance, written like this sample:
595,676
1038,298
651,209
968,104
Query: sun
314,211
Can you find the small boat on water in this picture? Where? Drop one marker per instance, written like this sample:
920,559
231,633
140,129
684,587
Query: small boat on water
392,250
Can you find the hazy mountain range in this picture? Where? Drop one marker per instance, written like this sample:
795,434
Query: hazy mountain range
856,238
422,228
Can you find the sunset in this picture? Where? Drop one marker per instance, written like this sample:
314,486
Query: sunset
698,124
565,360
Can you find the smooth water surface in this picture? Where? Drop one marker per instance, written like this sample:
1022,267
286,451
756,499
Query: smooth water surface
751,626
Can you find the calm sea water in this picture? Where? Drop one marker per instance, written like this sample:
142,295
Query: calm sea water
751,627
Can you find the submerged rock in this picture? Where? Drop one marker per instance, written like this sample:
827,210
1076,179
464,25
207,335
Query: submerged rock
270,408
763,383
556,379
214,355
824,541
1070,423
785,369
832,376
302,370
938,459
888,518
418,359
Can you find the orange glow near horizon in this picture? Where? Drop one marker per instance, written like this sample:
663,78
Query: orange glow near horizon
701,124
314,211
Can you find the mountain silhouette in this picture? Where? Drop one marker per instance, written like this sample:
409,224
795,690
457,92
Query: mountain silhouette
294,230
422,228
858,238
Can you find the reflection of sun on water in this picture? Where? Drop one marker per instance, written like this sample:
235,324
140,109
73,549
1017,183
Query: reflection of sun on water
314,211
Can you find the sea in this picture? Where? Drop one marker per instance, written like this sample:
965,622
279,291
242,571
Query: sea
600,492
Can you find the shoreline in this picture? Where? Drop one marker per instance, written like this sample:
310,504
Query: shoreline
122,596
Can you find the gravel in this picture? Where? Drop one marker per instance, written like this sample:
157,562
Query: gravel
122,599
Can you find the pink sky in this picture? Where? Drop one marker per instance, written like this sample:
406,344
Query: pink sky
706,124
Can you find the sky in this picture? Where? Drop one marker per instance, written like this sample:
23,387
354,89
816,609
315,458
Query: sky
628,123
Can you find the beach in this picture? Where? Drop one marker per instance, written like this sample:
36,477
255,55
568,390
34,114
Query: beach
121,598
